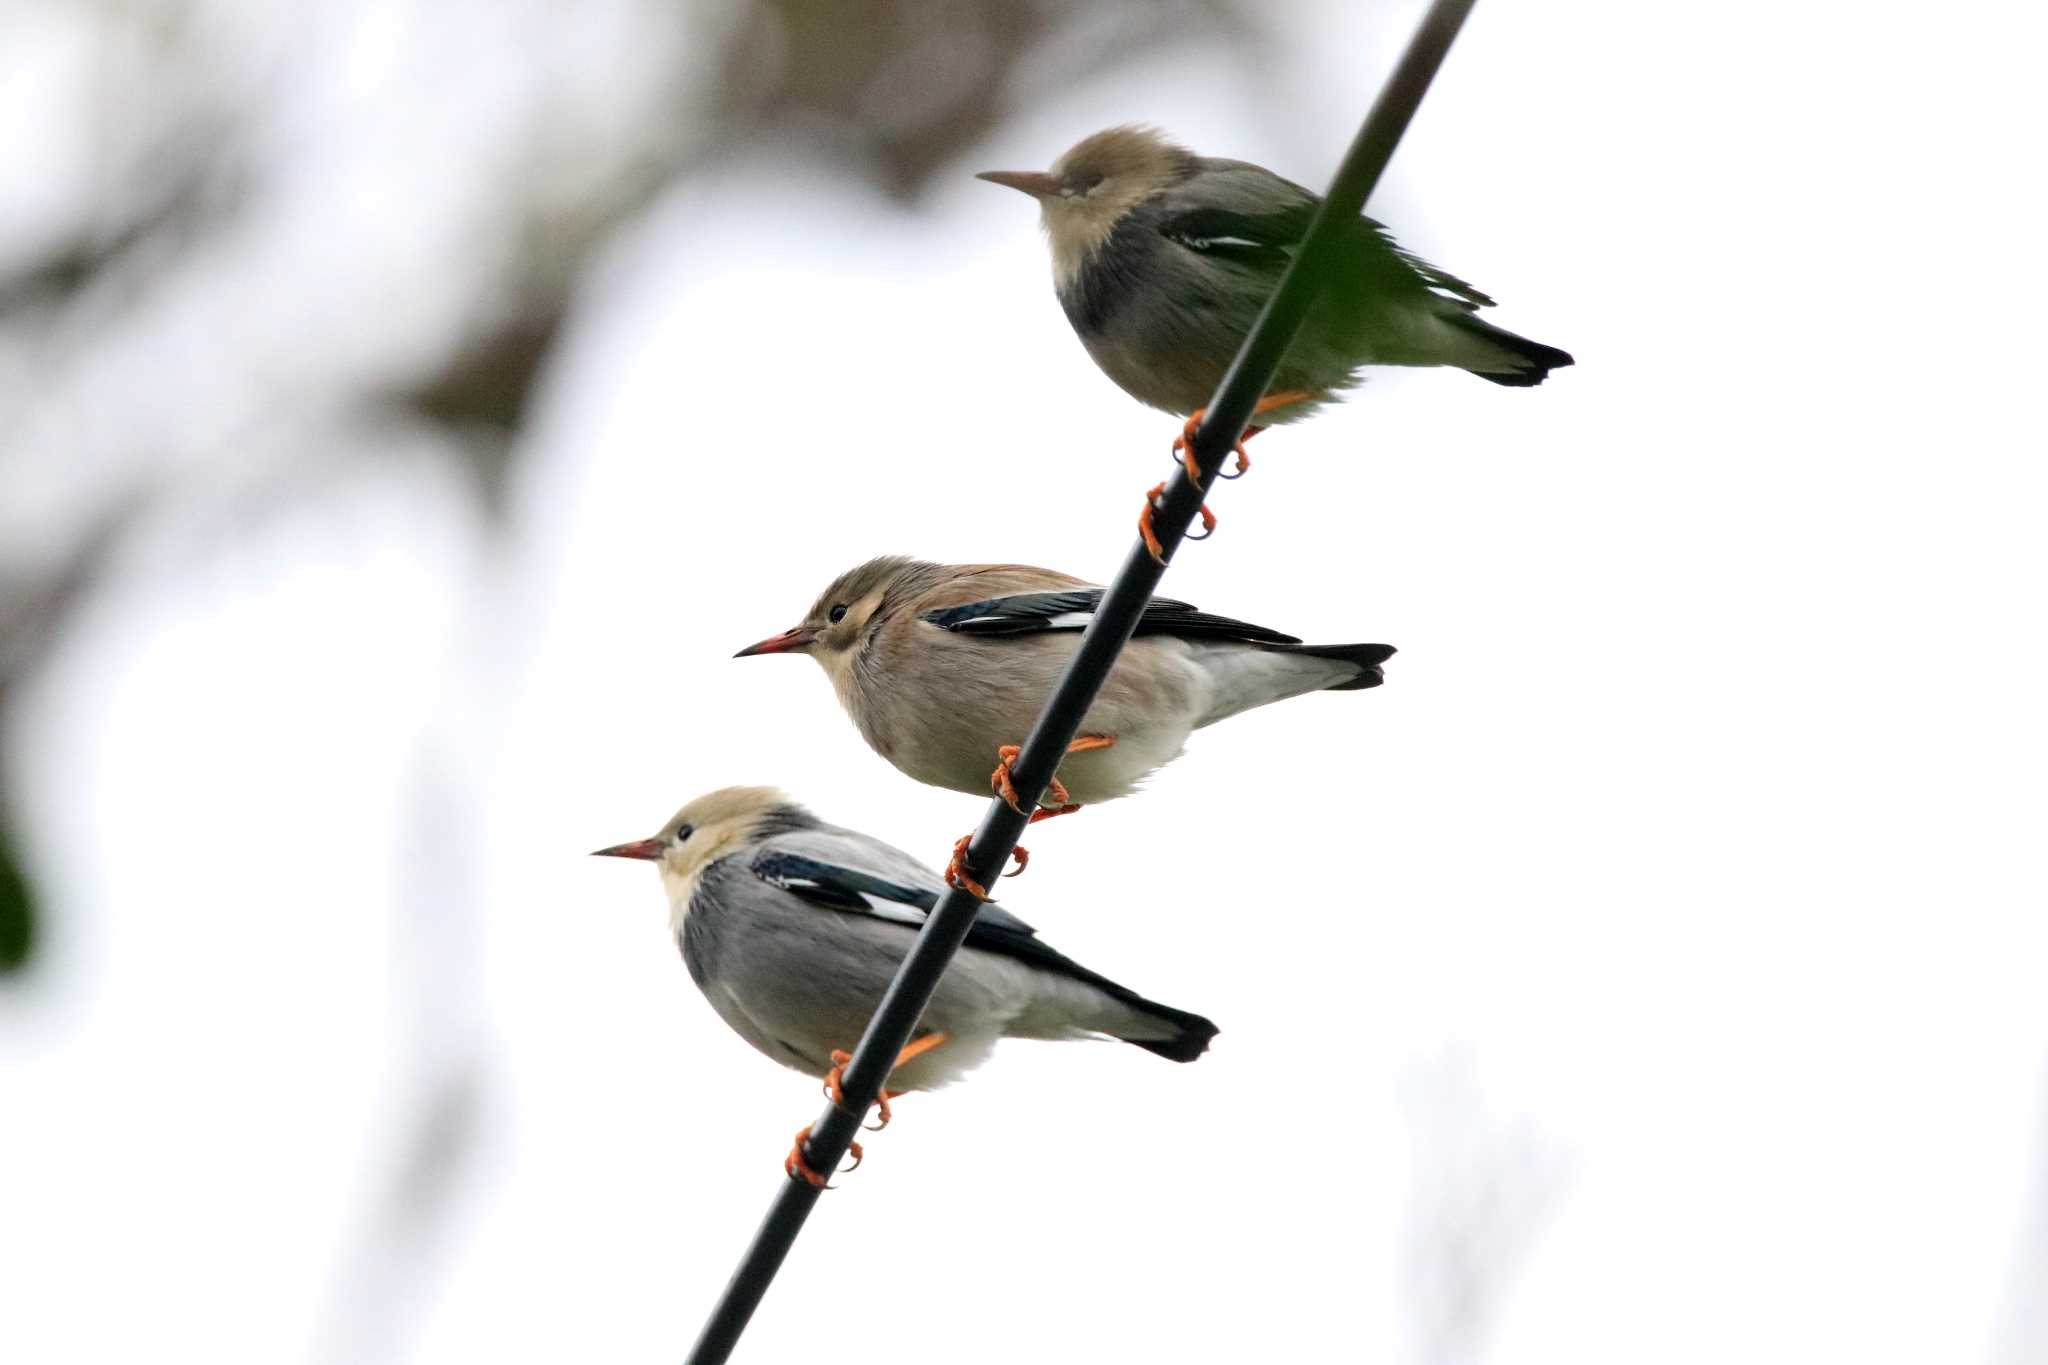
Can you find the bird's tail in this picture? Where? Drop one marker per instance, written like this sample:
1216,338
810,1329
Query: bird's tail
1367,657
1189,1039
1523,363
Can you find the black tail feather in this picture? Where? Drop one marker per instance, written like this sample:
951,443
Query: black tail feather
1541,359
1190,1042
1367,657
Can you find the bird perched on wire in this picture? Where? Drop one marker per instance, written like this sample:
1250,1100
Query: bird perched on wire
943,666
793,928
1163,259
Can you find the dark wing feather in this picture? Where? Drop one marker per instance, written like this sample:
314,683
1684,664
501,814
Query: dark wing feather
1269,239
1034,613
833,886
1260,239
849,890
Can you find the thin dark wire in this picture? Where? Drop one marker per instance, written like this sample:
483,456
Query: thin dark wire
1115,618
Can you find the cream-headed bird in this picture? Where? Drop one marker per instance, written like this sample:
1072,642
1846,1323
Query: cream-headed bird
793,928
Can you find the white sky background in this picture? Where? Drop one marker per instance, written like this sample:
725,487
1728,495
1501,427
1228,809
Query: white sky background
1681,889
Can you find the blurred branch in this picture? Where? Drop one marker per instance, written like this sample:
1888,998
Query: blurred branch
29,613
90,256
1483,1189
908,85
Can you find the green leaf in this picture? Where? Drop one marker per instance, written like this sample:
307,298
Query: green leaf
17,912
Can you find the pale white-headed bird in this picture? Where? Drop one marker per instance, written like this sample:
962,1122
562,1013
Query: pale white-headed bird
942,666
793,928
1162,260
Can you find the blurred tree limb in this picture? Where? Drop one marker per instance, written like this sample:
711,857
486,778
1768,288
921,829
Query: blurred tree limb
892,91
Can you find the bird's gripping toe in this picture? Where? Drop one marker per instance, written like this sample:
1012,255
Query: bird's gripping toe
1184,451
796,1168
1151,538
956,868
1063,804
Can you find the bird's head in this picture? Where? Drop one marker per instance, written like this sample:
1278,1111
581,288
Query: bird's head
1094,184
707,828
840,621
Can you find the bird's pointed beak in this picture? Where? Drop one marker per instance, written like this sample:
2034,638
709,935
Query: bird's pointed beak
648,849
800,638
1037,184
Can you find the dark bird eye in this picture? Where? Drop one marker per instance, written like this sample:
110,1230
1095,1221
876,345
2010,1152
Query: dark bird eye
837,614
684,832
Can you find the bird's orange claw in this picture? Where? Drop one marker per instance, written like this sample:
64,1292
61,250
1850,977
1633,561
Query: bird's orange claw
796,1168
835,1076
999,780
1152,545
1184,447
841,1059
1006,754
1184,444
956,871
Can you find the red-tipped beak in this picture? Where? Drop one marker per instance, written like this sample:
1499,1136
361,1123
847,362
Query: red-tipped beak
781,644
650,849
1037,184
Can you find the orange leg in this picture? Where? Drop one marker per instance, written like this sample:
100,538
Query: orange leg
1006,754
833,1077
1145,524
999,780
917,1047
1023,854
796,1168
956,868
1184,444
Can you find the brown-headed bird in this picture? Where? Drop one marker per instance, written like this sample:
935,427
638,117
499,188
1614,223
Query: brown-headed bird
944,666
1162,260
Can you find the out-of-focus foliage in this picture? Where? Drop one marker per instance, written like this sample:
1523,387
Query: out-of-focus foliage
188,126
17,912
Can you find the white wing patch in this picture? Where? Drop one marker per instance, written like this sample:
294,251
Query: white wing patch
1212,243
881,907
1066,620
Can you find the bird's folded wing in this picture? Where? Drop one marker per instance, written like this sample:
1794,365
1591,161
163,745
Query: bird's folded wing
1262,238
849,890
831,885
1033,613
1243,212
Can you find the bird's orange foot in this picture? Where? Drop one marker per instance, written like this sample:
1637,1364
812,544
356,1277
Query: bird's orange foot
956,871
796,1168
999,780
833,1088
1184,448
916,1047
1286,398
1184,444
1006,754
956,868
1152,546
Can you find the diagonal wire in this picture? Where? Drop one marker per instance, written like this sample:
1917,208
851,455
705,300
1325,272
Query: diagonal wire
1115,618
